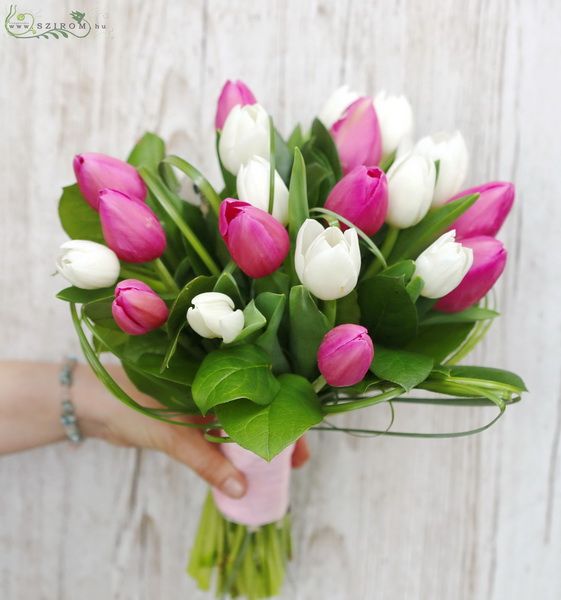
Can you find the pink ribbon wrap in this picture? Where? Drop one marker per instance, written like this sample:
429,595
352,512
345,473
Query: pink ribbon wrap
268,487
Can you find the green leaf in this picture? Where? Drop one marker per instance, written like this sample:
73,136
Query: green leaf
406,369
272,306
439,341
79,296
414,240
489,374
308,325
323,141
148,152
296,138
475,313
403,268
297,198
283,158
414,288
226,284
387,310
278,282
268,430
232,373
99,311
253,321
77,217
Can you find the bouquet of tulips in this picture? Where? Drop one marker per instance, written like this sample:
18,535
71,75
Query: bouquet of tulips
337,269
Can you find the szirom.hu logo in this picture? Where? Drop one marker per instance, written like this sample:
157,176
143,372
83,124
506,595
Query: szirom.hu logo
24,25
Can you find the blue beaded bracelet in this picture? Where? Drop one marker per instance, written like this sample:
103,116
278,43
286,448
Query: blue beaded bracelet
68,415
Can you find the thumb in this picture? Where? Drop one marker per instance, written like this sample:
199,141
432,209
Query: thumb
205,458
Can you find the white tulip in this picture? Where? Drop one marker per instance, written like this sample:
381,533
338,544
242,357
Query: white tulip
410,190
88,265
213,315
395,117
336,105
443,265
245,134
451,150
327,261
253,187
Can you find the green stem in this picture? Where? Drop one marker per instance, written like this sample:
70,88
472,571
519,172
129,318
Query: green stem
319,384
330,310
162,271
160,192
271,165
355,405
230,267
387,247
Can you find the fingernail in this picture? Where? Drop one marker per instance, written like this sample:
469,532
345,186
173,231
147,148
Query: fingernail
233,487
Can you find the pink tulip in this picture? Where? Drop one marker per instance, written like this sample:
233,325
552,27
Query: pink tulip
257,242
137,309
489,259
345,355
94,172
130,228
362,198
489,212
357,135
232,94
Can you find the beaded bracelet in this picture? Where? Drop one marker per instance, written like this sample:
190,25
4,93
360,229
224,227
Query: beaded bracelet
68,415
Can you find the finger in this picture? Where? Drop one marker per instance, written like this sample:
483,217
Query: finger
301,453
205,458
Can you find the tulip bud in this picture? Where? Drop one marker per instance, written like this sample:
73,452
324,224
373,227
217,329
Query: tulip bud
244,135
345,355
88,265
489,212
395,117
95,172
451,151
410,190
327,261
489,260
443,265
336,105
253,187
257,242
130,228
213,315
233,93
137,309
362,198
357,135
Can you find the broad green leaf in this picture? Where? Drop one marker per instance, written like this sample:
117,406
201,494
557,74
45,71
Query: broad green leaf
414,240
406,369
278,283
475,313
79,296
414,288
403,268
232,373
226,284
99,311
77,217
272,306
168,393
323,141
148,152
348,310
387,311
296,138
268,430
253,321
489,374
297,198
439,341
308,325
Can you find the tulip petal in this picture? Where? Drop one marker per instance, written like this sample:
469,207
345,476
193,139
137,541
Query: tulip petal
231,325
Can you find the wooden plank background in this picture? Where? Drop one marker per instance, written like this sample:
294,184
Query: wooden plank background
391,519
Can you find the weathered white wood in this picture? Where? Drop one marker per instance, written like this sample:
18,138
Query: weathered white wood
474,518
